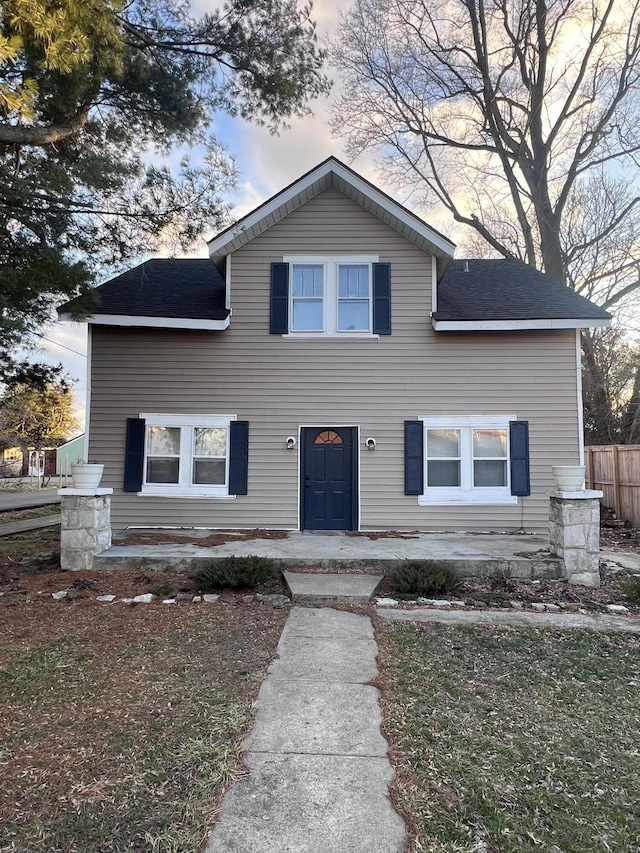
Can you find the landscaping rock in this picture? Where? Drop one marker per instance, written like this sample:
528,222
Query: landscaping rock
517,605
273,600
184,596
434,602
209,599
538,605
458,604
147,598
105,598
553,608
59,595
247,599
196,599
169,601
386,602
617,608
228,598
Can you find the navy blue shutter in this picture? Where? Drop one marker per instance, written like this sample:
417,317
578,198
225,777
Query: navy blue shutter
382,299
134,455
519,457
413,457
238,457
279,323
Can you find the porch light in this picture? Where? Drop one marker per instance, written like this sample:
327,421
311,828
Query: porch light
291,442
371,443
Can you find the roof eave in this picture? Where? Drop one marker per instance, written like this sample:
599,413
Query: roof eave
130,320
541,324
331,173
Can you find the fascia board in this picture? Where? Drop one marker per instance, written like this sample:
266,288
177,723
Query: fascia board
154,322
517,325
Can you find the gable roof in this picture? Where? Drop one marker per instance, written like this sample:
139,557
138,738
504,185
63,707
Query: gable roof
332,173
162,292
509,294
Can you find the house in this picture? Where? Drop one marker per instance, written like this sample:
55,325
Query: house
331,366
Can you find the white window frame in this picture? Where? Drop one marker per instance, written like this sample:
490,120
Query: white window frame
466,492
187,424
330,299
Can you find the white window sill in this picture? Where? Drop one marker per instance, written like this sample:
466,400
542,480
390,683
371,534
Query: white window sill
342,336
183,493
481,498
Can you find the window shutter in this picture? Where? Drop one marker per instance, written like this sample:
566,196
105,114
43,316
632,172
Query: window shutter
382,299
413,457
279,324
238,457
134,455
519,457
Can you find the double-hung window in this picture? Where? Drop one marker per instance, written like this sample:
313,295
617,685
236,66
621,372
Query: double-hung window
466,460
186,455
331,296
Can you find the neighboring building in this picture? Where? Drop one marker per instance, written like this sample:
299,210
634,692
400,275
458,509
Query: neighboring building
332,367
69,453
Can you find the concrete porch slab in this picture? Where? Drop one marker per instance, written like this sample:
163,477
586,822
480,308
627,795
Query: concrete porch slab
469,555
330,588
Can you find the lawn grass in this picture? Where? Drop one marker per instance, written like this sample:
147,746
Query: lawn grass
31,543
9,516
121,725
510,740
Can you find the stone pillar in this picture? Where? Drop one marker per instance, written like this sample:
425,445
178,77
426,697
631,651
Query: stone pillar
86,526
574,534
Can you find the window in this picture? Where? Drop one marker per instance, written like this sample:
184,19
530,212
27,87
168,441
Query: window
466,460
186,455
331,296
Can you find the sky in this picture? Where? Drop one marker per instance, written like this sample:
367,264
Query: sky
266,164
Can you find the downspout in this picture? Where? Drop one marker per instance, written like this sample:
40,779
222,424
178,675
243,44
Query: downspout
579,393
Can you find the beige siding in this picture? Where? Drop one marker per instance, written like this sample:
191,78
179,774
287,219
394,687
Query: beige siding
279,384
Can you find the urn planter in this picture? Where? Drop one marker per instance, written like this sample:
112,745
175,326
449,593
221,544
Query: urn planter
569,478
86,475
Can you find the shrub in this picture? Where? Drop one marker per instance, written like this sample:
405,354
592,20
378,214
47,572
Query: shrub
422,577
631,589
235,573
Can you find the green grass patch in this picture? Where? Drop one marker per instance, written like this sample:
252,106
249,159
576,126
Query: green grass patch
515,740
31,543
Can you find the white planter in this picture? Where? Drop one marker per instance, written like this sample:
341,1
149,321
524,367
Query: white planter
86,476
569,478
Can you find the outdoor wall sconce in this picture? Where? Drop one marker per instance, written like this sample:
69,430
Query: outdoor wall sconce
291,442
371,443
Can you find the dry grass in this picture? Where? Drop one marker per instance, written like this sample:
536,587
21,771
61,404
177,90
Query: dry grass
121,725
509,741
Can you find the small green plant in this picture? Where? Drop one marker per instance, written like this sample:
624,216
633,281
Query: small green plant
162,589
235,573
631,589
422,577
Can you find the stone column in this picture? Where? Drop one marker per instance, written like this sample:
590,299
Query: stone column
86,526
574,534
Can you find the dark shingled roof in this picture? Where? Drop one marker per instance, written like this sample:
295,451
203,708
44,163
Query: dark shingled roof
508,289
164,287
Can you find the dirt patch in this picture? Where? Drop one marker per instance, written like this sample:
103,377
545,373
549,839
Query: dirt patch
220,537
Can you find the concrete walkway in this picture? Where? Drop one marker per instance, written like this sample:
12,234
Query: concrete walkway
318,771
14,527
25,500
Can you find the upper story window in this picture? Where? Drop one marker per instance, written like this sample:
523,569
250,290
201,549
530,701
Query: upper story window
341,296
331,296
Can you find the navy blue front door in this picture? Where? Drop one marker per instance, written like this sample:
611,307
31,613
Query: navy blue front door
329,493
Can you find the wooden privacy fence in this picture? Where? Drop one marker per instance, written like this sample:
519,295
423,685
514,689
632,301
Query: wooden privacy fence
615,471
